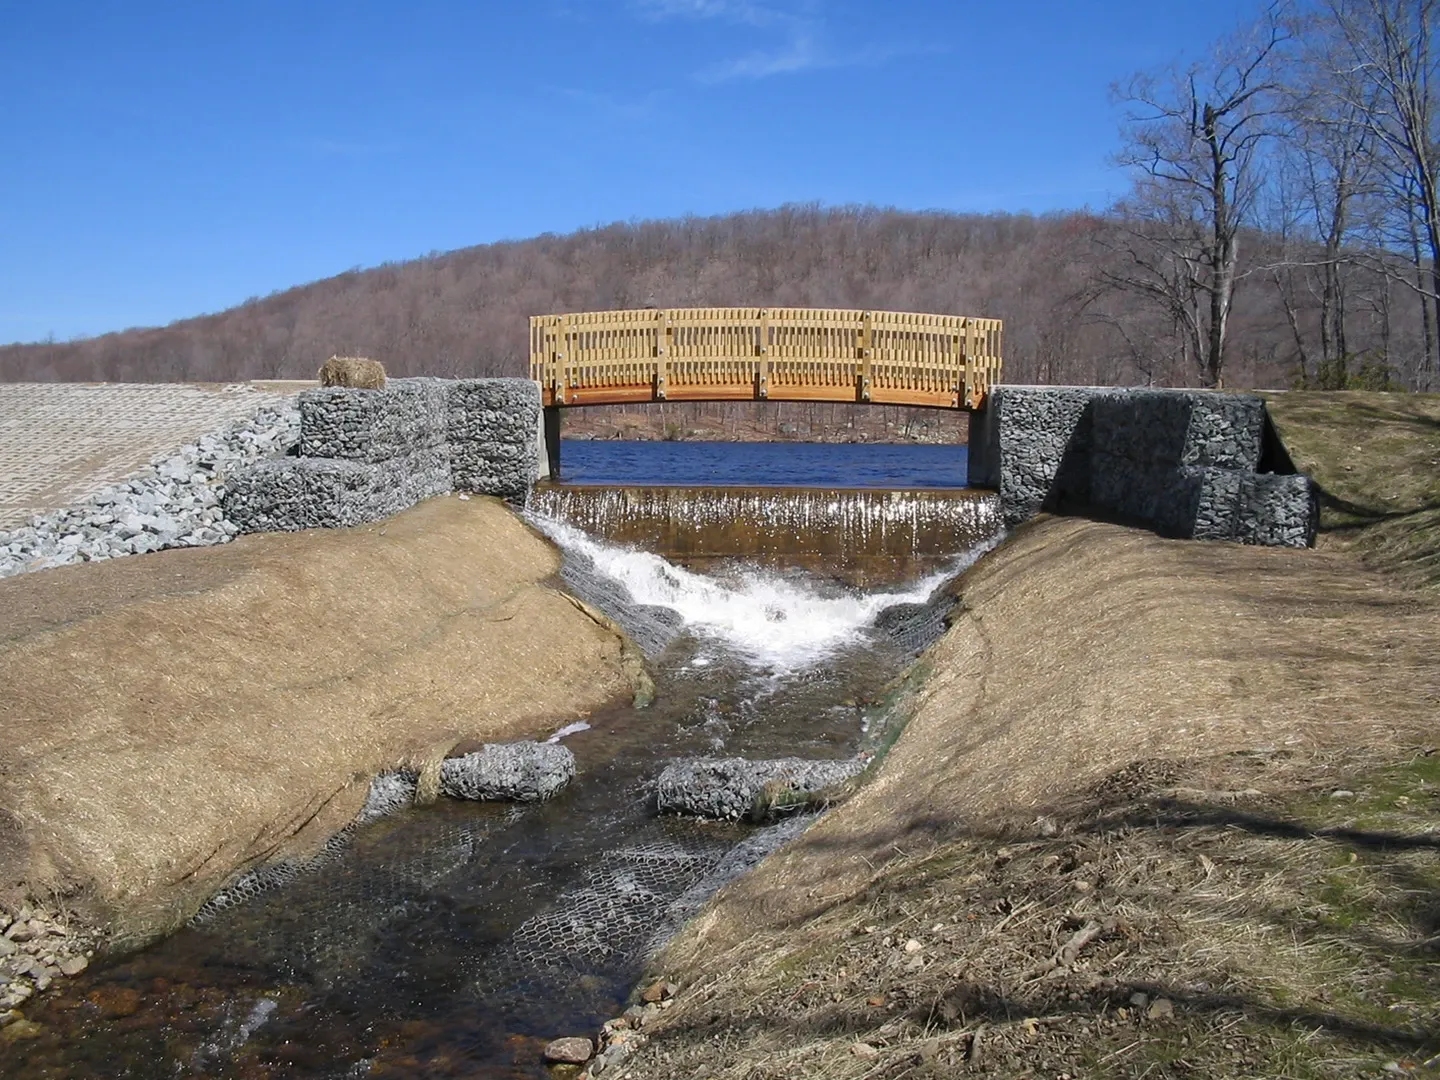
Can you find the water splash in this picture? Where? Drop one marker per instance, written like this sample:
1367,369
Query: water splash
569,729
761,523
776,622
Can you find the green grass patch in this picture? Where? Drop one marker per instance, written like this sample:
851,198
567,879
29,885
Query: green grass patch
1376,457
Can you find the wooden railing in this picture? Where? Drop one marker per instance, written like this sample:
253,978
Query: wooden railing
777,354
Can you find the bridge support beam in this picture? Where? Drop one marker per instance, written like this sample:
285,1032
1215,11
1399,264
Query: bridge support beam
547,436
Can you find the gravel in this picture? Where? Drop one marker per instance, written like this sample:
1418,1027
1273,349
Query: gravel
174,502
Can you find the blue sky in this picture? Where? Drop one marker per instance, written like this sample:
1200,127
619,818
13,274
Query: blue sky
163,160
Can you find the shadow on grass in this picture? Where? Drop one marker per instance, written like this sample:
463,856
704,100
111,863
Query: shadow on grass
1369,514
1399,417
1175,813
1346,995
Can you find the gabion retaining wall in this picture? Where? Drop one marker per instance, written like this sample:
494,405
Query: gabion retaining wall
1187,463
493,427
367,454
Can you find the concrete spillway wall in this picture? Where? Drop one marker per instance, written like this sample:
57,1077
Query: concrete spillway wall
365,455
857,534
1195,464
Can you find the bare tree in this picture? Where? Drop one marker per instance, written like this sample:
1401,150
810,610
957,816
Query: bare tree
1193,140
1384,67
1323,174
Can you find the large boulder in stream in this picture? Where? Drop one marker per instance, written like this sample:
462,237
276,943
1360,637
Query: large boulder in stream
522,771
735,787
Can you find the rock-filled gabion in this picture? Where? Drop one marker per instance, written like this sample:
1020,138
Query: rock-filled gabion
513,772
735,788
175,502
493,426
367,454
522,771
1189,464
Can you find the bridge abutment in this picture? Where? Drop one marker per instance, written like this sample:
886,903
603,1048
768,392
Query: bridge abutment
1193,464
1196,464
365,455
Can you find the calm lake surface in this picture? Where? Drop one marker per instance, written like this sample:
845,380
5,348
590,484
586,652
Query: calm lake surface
780,464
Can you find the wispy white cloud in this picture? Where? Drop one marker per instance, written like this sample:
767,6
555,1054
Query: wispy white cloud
804,54
799,54
799,26
737,11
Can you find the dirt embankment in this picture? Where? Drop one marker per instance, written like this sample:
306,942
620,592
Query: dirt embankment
166,720
1162,809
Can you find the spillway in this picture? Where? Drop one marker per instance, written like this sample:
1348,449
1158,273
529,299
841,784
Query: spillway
858,534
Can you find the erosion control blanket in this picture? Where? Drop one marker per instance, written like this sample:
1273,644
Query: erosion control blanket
167,719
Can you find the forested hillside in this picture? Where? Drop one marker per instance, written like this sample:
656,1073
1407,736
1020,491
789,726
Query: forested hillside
1282,227
465,312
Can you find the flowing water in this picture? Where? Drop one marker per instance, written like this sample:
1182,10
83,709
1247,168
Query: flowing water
456,939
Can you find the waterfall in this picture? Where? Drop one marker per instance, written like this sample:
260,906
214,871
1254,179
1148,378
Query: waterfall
841,530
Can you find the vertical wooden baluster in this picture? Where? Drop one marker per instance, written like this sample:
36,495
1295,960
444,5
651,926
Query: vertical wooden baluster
762,376
977,360
557,357
663,334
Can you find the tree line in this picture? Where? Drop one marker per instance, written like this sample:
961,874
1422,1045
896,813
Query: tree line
1300,160
1281,229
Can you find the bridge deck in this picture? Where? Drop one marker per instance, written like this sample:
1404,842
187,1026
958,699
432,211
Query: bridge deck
759,354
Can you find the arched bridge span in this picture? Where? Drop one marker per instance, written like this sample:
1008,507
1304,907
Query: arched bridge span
764,354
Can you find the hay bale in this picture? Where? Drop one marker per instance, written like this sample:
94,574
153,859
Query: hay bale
355,372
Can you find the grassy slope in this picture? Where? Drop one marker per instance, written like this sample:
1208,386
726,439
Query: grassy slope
1266,905
1377,460
1218,918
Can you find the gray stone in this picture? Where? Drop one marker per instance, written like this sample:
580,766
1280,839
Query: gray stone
174,503
736,787
574,1050
520,771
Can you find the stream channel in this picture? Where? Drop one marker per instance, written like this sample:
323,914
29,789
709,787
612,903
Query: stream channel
456,939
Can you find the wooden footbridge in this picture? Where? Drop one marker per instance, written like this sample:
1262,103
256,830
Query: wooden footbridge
764,354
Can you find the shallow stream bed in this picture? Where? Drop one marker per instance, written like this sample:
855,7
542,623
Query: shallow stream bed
455,940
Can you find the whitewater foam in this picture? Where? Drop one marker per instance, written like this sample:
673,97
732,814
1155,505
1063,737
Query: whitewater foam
775,622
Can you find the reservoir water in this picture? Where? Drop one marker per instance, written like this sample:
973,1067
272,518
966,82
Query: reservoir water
455,940
778,464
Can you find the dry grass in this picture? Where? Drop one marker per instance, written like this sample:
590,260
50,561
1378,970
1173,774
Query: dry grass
171,718
1113,753
1287,934
1376,458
